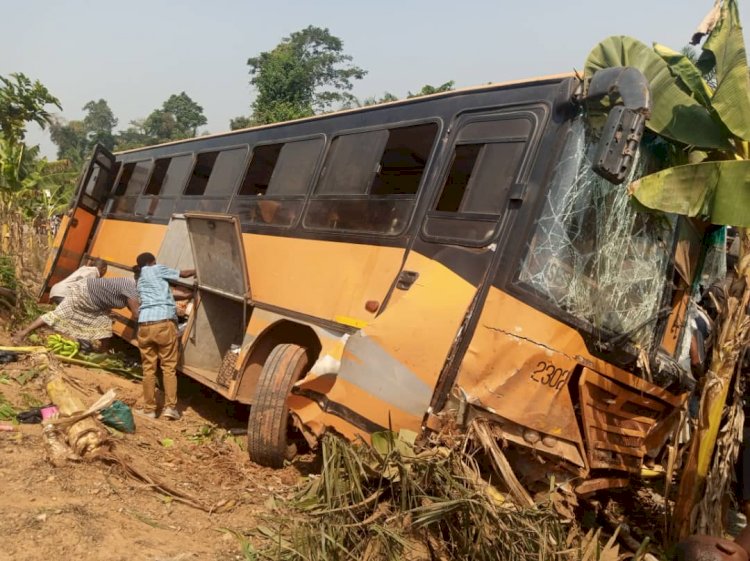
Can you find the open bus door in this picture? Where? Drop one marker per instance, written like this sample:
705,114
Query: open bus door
78,224
220,315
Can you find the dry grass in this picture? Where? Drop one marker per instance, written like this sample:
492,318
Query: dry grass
395,501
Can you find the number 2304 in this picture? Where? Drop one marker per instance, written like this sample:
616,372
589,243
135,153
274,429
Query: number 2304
550,375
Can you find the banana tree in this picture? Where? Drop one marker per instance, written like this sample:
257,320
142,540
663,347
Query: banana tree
710,129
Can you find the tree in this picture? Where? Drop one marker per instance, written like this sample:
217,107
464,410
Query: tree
23,101
240,122
427,89
75,139
100,123
70,138
134,136
178,118
385,98
306,73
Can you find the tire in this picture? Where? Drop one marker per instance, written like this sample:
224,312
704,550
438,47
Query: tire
268,426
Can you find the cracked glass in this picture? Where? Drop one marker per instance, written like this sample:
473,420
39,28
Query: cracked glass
592,254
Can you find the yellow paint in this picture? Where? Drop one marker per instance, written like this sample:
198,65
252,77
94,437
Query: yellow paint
510,343
322,279
353,322
121,241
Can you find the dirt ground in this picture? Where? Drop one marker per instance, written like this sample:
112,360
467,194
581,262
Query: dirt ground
95,511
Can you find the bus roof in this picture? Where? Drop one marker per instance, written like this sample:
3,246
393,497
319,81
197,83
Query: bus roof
468,89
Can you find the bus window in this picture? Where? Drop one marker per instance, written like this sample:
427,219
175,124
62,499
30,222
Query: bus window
212,180
124,179
350,164
226,172
179,168
166,182
157,177
259,171
486,163
276,181
371,179
204,164
478,174
131,183
138,178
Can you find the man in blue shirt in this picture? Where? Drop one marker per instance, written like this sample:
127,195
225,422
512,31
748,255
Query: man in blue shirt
157,333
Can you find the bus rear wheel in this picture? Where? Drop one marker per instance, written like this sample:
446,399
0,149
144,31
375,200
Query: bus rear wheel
268,441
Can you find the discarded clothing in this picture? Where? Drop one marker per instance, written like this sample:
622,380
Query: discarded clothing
8,356
78,317
118,416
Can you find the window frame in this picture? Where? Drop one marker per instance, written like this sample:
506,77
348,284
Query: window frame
519,181
230,192
422,188
160,197
304,197
114,198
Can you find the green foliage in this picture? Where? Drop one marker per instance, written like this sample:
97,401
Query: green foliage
134,136
306,73
71,139
715,186
178,118
724,52
718,192
240,122
387,97
29,185
7,272
429,90
23,101
676,114
7,411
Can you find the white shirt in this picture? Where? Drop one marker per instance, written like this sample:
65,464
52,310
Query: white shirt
62,288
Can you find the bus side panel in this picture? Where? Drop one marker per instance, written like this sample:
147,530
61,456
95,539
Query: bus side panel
391,366
121,241
329,280
518,365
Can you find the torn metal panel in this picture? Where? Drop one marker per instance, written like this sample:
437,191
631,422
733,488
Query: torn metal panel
593,255
616,422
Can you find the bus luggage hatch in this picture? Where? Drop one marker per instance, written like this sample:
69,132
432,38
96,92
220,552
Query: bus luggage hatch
79,222
221,313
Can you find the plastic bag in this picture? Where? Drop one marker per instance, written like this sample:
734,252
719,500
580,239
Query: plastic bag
118,416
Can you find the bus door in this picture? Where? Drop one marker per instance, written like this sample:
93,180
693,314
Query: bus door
390,369
221,312
78,224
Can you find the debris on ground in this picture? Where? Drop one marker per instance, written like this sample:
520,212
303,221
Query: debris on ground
395,500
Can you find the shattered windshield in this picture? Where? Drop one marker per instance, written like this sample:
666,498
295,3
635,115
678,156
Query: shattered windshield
592,254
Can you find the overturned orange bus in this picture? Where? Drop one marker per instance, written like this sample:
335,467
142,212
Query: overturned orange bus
374,268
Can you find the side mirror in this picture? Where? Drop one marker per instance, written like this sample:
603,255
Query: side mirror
623,93
618,144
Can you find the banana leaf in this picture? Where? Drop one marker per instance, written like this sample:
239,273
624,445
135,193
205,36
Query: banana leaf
731,99
675,113
682,67
718,192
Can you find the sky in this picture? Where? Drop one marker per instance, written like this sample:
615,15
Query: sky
135,54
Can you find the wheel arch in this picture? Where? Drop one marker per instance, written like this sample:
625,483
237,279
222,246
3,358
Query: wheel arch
281,331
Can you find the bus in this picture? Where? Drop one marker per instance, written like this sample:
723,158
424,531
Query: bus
472,254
